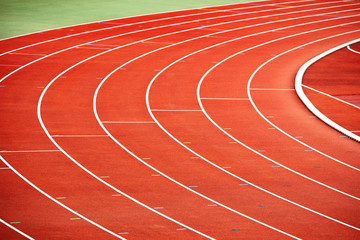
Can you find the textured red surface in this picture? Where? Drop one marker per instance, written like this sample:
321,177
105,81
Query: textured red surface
250,182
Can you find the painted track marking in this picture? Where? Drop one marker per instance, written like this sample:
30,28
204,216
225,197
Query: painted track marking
352,50
16,230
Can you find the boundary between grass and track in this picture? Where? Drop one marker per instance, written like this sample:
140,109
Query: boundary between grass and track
308,103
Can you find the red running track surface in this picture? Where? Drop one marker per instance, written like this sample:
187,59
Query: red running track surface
181,125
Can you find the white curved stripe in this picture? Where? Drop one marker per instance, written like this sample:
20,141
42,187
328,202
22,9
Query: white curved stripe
348,47
177,24
131,24
307,102
15,229
328,95
59,203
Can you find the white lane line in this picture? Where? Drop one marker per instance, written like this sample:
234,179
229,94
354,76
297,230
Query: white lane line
307,102
153,28
16,230
352,50
28,151
328,95
56,201
43,126
149,109
129,24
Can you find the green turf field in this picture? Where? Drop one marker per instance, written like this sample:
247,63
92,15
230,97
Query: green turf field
19,17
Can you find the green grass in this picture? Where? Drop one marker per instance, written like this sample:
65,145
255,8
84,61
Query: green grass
19,17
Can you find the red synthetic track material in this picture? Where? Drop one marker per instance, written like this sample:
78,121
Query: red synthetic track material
181,184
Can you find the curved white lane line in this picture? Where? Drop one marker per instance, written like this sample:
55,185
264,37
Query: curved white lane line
307,102
137,23
59,203
352,50
15,229
176,24
93,175
328,95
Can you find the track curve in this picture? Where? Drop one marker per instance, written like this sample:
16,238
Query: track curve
112,127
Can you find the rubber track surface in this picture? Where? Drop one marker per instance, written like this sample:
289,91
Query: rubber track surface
179,125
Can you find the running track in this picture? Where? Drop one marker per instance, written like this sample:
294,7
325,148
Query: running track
181,125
